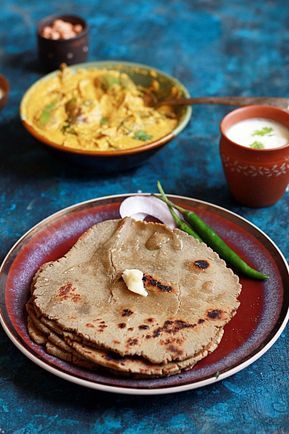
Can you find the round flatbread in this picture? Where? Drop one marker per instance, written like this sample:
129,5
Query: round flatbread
66,348
191,292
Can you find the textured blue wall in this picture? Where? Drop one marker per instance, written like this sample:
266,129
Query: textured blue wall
214,47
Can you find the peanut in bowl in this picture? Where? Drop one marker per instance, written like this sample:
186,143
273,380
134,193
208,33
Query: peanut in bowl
96,113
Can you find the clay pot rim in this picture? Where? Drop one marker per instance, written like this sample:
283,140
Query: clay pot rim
249,108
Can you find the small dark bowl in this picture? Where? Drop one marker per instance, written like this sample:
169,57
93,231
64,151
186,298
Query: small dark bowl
4,86
53,52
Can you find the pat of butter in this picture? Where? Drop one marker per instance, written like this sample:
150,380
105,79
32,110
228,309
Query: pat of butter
134,282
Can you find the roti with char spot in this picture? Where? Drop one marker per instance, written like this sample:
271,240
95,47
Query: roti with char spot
191,293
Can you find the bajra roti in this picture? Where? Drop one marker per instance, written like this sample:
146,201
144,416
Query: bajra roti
192,294
66,348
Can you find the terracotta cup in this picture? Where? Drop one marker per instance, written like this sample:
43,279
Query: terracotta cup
256,177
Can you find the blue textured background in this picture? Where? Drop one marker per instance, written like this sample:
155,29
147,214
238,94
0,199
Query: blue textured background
214,47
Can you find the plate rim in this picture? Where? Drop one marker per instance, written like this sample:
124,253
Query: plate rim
133,390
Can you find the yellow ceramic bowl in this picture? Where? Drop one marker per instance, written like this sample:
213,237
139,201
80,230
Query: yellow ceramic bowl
124,158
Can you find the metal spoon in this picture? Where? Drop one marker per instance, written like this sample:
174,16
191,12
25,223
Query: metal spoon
225,100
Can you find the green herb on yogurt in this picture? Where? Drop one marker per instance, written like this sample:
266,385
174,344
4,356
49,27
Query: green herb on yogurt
142,135
263,131
257,145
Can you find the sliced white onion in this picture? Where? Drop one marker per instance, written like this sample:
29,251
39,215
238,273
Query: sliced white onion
144,206
138,216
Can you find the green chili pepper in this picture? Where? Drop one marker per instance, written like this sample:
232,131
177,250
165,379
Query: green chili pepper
47,113
213,240
183,226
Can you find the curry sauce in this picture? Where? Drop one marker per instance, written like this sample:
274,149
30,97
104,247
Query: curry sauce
96,109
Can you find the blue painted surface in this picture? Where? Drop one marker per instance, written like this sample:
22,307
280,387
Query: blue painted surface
224,47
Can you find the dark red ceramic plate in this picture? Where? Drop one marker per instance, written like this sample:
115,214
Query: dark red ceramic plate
259,321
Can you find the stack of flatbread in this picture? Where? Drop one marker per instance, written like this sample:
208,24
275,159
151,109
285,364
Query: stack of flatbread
82,311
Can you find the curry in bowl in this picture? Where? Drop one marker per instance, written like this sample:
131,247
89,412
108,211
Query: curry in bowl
98,109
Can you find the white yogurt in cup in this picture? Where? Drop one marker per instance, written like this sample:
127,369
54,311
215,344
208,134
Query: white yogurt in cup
254,149
259,133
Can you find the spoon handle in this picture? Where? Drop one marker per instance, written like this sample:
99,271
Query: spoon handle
229,100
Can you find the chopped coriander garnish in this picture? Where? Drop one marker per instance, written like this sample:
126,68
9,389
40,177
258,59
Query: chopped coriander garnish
103,121
67,128
263,131
257,145
71,108
72,131
142,135
109,81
